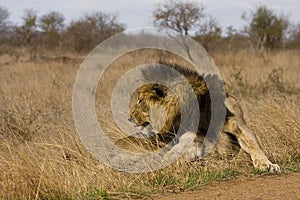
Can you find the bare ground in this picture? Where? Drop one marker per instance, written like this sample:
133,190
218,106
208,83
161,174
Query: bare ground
286,186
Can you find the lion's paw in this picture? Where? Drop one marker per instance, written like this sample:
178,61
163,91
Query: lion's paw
265,165
274,168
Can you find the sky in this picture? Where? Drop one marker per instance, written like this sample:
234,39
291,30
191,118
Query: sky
138,13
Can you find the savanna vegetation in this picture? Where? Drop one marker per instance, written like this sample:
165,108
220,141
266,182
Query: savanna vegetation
41,155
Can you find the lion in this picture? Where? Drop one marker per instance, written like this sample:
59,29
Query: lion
155,108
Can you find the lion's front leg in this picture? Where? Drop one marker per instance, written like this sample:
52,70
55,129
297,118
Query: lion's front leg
249,143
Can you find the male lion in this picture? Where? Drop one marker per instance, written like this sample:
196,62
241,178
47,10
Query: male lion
155,108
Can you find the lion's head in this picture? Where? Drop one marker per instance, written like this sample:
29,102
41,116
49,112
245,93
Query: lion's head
153,107
156,107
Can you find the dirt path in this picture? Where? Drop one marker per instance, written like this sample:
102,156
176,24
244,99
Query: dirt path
258,188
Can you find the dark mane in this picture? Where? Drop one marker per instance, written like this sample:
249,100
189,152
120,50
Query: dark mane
200,83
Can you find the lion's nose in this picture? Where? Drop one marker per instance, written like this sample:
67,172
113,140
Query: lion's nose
145,124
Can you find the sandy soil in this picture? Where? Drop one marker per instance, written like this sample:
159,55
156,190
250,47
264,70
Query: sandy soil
259,188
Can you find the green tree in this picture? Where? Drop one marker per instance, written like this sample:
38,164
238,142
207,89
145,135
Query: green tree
180,16
52,24
29,26
209,33
265,29
85,33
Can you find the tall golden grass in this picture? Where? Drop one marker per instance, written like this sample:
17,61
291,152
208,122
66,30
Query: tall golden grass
42,157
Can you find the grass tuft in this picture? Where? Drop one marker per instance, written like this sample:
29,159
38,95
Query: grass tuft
42,157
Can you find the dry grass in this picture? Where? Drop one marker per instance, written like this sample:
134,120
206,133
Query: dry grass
41,156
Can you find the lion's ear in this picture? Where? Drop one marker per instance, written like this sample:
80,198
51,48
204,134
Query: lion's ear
159,91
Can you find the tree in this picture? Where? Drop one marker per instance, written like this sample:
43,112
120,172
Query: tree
52,24
29,26
265,29
294,39
209,32
85,33
230,31
180,16
4,15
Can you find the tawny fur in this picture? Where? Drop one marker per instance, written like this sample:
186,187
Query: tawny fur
152,94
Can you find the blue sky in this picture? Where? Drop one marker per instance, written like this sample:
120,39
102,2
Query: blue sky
137,13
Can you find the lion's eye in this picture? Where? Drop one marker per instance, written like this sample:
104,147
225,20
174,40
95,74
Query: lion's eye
139,101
